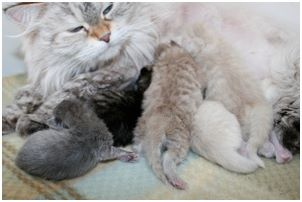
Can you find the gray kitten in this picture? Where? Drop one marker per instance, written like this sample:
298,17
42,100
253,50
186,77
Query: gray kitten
63,153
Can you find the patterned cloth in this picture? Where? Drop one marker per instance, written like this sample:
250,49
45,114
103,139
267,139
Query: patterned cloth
118,180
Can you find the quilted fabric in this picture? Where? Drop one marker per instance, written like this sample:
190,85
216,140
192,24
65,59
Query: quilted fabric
118,180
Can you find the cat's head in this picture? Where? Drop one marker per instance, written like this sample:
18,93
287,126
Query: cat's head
77,35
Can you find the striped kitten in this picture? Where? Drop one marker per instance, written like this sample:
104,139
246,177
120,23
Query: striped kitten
162,133
118,108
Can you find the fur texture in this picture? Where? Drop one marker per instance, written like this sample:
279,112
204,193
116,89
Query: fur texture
172,99
119,109
282,89
68,153
225,72
212,125
55,53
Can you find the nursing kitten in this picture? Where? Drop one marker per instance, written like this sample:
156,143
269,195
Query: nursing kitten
283,90
173,97
118,108
57,154
287,107
212,125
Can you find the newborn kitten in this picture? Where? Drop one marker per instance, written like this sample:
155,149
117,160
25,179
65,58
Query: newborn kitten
283,90
68,153
118,108
173,97
216,135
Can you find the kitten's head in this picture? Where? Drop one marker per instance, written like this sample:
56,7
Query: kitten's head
74,112
169,52
83,35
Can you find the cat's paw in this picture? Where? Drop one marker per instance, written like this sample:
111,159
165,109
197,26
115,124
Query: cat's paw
129,157
10,116
27,126
267,150
7,127
28,99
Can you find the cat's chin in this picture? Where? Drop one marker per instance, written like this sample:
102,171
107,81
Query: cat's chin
111,52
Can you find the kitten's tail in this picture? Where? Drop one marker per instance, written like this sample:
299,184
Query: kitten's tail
227,158
233,161
153,146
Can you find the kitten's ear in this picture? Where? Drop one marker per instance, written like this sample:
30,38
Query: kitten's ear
24,13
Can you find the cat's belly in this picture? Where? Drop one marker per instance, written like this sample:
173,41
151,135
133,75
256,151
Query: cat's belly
264,35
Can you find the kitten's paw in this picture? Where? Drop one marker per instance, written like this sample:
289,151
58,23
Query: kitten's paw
129,157
267,150
283,156
178,183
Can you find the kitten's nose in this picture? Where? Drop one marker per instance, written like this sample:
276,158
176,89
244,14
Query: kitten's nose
106,37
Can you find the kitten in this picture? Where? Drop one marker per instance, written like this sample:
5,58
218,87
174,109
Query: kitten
214,125
119,109
68,153
173,97
282,89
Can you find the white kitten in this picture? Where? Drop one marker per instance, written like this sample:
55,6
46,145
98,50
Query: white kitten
214,125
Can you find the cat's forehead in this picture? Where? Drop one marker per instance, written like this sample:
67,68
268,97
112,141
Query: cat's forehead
88,11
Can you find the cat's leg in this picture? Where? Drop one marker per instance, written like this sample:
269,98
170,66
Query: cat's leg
177,149
257,124
139,132
283,155
267,150
28,99
112,153
30,123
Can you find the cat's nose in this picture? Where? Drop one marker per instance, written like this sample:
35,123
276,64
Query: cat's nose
106,37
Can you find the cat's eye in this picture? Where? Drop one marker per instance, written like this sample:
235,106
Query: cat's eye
77,29
108,9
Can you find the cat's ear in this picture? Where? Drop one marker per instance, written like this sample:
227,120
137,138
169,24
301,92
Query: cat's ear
24,13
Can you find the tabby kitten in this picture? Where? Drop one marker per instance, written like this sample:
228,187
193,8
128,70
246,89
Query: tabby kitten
118,108
170,102
282,89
